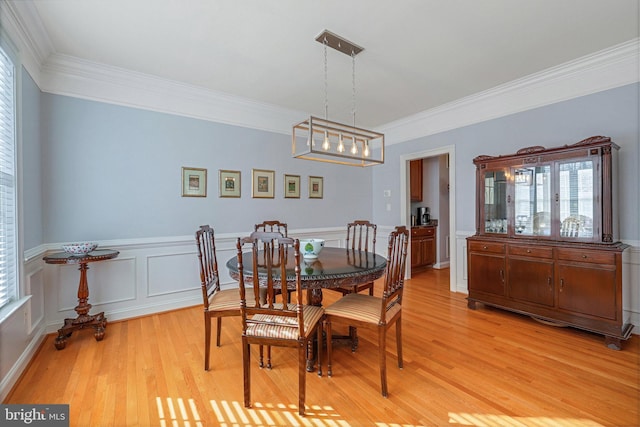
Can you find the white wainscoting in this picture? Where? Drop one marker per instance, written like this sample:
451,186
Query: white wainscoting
148,276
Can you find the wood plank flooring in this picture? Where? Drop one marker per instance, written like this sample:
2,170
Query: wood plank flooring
461,368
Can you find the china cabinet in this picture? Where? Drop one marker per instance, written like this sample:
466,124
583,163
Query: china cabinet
546,241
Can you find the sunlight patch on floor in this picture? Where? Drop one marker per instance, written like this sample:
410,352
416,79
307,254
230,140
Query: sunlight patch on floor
176,413
479,420
233,413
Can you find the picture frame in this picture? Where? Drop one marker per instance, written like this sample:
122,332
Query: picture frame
315,187
291,186
229,182
194,182
262,184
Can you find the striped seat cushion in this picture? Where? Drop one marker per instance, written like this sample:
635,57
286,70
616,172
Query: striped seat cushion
361,307
229,299
284,327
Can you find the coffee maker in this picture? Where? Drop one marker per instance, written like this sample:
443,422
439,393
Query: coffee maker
423,216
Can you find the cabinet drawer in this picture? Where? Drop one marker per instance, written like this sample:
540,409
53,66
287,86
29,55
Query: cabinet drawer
487,247
586,256
423,231
536,252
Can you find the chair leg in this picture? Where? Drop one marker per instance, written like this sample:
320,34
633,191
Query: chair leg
353,334
329,346
246,371
261,361
382,341
219,328
319,346
302,376
268,357
207,340
399,341
371,289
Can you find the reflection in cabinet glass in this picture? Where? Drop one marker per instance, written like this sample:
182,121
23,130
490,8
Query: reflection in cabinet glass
576,199
495,202
533,201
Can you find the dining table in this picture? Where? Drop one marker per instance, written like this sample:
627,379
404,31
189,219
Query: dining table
333,268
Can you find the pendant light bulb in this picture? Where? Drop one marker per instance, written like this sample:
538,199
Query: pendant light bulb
326,144
354,147
340,144
366,149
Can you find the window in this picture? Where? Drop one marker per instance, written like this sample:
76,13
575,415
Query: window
8,246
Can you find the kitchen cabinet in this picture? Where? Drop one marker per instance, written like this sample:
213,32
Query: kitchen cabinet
415,180
423,247
546,237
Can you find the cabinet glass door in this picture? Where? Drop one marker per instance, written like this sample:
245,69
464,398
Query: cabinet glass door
495,202
532,201
576,199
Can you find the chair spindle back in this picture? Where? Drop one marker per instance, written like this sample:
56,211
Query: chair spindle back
209,278
359,233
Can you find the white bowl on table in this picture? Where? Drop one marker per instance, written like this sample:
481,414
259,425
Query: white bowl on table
79,249
310,248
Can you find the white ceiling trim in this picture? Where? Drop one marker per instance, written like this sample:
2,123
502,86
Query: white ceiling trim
607,69
24,27
70,76
66,75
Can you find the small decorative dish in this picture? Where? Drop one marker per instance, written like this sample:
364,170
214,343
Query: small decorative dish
311,248
79,249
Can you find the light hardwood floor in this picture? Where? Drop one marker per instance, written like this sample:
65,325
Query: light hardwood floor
461,368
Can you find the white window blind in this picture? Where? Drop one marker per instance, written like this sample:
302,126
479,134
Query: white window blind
8,283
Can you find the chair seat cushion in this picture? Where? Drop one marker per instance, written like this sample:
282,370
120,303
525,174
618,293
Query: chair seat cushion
229,299
361,307
275,326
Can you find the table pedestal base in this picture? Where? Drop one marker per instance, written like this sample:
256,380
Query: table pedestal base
97,321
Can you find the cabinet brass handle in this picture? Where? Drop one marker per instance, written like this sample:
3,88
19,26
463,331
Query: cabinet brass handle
502,275
561,284
484,247
584,256
528,251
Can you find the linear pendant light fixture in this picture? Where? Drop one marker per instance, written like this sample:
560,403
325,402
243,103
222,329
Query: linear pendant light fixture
328,141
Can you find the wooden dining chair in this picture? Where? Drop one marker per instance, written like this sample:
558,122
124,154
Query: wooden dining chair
217,303
276,323
375,313
273,226
359,234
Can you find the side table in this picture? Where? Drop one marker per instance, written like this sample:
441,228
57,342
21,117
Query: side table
84,319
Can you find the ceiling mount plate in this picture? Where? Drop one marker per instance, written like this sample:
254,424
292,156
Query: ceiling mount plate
339,43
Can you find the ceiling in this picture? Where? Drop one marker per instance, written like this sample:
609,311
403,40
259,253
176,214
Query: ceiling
418,54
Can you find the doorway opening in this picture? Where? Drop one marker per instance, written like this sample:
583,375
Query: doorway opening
439,158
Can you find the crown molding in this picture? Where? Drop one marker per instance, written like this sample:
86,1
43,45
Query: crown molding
64,75
616,66
71,76
25,29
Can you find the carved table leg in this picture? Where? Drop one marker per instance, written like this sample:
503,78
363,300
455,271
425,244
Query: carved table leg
84,319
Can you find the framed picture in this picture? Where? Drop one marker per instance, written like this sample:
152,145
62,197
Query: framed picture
194,182
229,183
292,186
262,183
315,187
